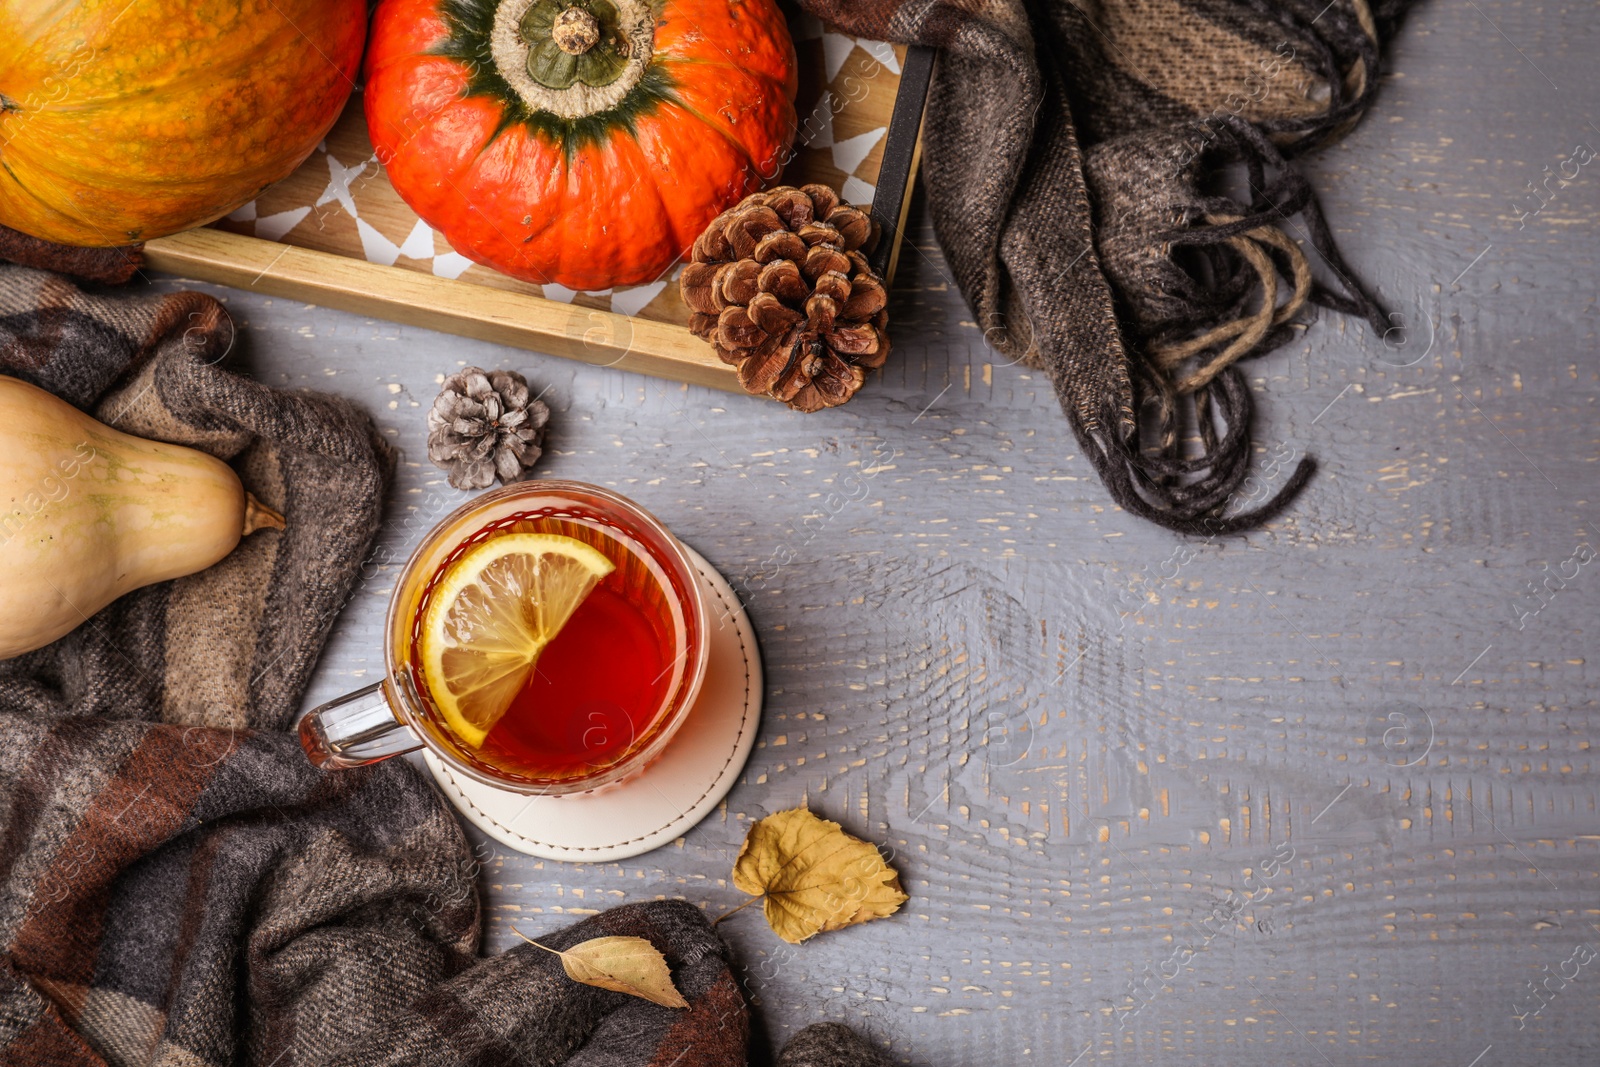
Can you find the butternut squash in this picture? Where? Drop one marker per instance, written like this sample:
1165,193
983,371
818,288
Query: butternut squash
88,513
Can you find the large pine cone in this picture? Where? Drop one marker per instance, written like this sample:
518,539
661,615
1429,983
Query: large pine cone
781,288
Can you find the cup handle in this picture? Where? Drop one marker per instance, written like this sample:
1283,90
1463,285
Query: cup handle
355,729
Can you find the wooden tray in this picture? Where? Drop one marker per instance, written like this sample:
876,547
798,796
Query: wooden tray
335,232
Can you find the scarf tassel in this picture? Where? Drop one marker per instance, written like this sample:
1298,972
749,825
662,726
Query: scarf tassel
1243,283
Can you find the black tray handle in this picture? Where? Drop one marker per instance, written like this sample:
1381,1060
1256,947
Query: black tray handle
893,191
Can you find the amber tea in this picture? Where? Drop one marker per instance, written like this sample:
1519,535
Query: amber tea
598,690
545,638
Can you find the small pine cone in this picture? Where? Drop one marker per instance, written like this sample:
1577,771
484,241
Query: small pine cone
483,425
780,286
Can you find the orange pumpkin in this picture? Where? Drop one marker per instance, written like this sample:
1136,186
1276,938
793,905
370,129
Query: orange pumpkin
122,120
582,142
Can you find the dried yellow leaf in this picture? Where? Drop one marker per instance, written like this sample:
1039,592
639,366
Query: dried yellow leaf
629,965
814,876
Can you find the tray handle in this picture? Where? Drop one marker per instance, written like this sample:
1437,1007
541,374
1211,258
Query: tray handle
893,194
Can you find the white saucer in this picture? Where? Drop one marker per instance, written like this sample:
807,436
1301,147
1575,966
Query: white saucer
696,771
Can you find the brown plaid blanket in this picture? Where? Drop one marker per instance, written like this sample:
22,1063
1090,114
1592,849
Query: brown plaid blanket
178,886
1068,152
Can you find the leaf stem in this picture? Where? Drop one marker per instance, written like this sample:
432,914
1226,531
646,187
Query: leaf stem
531,941
735,911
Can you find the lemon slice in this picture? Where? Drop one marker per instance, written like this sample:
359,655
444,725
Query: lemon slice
490,616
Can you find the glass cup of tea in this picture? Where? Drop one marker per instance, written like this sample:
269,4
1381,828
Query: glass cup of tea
602,698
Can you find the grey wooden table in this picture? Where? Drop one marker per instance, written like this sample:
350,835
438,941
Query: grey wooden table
1325,794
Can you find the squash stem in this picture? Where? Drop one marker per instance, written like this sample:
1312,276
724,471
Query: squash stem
257,516
576,31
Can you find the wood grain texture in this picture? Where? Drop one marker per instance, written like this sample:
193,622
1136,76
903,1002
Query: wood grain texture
1090,743
486,313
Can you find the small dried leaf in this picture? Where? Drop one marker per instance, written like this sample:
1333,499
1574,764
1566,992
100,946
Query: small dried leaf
813,875
629,965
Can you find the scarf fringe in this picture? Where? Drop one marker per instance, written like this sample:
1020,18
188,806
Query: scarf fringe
1244,250
1249,260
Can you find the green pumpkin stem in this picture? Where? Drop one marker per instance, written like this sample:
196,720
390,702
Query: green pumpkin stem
572,41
